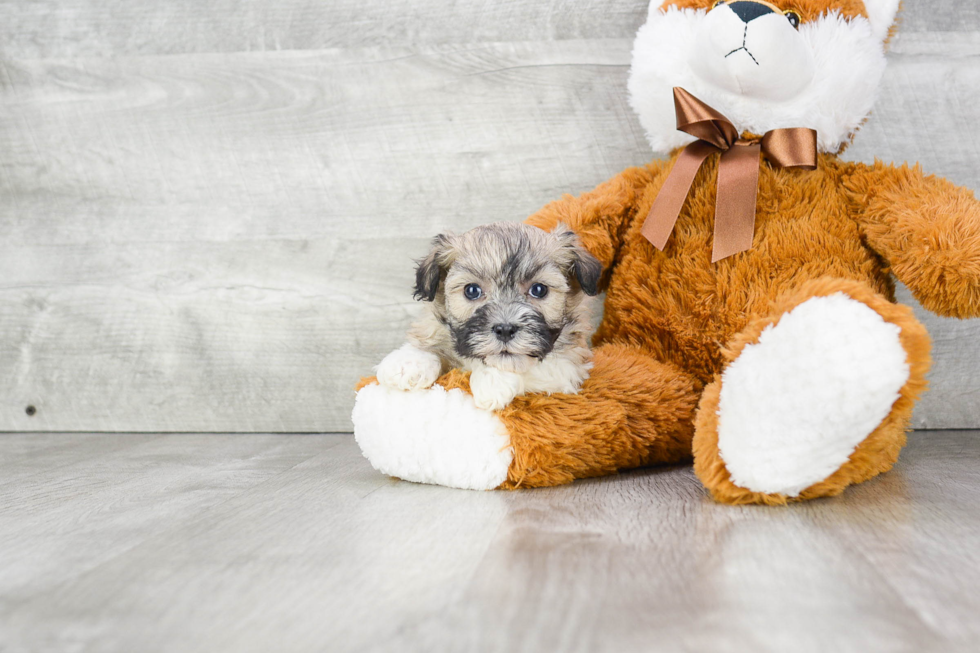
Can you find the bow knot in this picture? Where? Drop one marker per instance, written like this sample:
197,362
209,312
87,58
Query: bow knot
738,173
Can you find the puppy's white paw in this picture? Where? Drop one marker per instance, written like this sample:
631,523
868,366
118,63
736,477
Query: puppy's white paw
493,389
409,368
560,373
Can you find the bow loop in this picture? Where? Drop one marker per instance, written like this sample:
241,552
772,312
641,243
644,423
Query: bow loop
702,122
791,148
738,173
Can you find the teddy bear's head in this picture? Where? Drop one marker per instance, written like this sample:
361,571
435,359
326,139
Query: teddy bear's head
764,64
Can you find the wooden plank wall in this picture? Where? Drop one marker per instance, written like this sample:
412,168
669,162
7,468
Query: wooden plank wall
209,211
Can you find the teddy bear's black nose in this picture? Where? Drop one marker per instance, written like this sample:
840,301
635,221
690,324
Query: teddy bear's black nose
505,332
748,10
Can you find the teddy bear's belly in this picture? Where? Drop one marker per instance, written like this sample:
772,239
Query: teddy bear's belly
684,309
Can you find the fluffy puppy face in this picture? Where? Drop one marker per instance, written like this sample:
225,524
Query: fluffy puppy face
508,292
765,64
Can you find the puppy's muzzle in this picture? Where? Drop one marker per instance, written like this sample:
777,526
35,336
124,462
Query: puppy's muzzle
505,332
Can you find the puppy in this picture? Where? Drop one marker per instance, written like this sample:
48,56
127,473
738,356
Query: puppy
508,302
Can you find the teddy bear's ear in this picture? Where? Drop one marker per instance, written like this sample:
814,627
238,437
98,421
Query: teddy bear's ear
881,14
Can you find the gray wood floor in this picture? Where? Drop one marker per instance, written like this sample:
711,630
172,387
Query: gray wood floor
293,543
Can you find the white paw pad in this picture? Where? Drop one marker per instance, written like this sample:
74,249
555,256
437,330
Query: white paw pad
433,436
409,368
795,405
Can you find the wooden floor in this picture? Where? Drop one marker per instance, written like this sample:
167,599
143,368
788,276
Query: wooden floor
293,543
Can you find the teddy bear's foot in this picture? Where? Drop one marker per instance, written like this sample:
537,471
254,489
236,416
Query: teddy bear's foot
815,397
433,436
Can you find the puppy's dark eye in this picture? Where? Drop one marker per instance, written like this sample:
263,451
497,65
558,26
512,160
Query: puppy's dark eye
718,4
793,18
538,291
472,291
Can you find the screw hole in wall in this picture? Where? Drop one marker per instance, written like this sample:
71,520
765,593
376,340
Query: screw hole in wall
31,411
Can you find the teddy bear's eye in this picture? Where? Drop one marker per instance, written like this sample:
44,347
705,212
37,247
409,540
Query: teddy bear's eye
472,291
718,4
538,291
793,18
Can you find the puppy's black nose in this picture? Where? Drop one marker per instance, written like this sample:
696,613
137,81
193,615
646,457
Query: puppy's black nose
748,10
505,332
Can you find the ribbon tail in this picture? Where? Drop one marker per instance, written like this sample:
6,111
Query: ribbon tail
738,187
670,200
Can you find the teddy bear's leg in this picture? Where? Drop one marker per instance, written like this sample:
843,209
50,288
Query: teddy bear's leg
814,397
631,411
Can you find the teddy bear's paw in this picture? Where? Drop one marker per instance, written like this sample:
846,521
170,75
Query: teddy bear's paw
493,389
409,368
794,405
431,436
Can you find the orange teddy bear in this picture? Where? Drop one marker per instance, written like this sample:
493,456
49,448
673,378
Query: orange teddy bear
749,321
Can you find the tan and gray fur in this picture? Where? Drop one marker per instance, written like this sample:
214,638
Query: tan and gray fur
508,302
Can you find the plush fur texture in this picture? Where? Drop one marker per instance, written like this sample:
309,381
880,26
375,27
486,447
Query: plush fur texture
812,300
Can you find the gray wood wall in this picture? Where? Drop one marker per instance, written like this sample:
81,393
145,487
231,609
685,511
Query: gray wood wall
209,211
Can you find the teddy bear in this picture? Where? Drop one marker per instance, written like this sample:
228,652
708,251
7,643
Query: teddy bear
750,323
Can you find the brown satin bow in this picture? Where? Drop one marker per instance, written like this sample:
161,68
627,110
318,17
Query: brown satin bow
738,173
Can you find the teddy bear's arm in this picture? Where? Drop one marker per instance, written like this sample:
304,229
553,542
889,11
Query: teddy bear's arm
927,229
601,216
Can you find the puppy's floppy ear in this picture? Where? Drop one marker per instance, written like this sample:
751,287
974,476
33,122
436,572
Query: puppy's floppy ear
429,270
586,268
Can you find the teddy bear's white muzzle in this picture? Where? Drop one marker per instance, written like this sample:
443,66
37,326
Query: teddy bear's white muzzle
758,54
